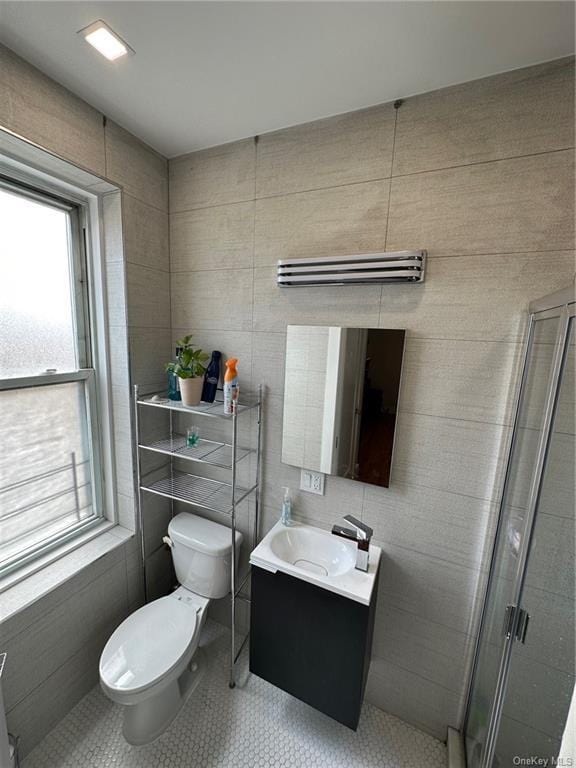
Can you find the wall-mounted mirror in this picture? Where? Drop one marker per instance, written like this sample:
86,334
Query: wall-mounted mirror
340,400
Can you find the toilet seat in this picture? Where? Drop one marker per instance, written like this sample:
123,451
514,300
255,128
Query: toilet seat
152,646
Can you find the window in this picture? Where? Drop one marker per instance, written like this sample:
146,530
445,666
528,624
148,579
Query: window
49,451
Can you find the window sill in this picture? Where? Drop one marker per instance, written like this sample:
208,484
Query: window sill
26,586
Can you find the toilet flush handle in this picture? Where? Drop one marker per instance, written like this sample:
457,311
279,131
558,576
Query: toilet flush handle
168,540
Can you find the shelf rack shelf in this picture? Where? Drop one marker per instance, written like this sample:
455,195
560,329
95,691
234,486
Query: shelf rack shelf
211,452
196,490
213,410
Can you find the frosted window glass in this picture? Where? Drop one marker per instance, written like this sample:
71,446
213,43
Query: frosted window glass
36,297
45,476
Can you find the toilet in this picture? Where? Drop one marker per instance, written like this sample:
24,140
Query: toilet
151,664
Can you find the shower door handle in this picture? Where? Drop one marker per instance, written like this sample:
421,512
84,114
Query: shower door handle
508,621
521,623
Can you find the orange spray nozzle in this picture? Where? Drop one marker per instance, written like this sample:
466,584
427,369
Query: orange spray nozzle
231,371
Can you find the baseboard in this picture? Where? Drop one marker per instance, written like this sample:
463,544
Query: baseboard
456,758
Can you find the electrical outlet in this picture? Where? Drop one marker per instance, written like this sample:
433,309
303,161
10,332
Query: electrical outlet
312,482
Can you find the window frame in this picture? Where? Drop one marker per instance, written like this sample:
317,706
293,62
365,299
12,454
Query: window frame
90,332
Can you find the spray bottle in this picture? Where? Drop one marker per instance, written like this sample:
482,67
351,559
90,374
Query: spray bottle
231,386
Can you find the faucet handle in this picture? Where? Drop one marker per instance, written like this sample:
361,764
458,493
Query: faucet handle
364,531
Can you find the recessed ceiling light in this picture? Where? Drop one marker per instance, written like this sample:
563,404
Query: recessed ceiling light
105,40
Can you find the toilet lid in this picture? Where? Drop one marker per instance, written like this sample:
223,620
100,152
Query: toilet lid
148,644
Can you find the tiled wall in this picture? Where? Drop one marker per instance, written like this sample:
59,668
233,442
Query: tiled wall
481,175
54,645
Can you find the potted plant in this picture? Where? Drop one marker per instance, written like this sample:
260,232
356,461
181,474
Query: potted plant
190,370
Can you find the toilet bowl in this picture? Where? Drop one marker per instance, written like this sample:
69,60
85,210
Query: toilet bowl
146,664
151,664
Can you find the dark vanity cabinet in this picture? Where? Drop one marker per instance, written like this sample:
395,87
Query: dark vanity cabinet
311,642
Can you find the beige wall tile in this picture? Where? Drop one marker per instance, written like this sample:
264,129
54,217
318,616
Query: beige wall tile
97,560
340,498
345,149
553,543
159,574
523,204
331,222
150,350
559,488
475,297
460,379
216,299
523,112
275,308
118,350
552,626
434,522
541,360
113,231
148,297
212,238
116,293
134,581
38,713
217,176
123,463
424,647
126,511
156,513
547,711
273,409
43,647
511,733
42,111
54,658
145,234
448,454
141,171
413,698
428,587
268,358
121,409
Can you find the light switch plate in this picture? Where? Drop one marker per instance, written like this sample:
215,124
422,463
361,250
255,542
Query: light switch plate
312,482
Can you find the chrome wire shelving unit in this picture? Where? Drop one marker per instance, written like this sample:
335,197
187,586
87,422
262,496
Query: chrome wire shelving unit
191,487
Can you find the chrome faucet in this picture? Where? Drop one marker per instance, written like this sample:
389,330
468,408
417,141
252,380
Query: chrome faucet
361,534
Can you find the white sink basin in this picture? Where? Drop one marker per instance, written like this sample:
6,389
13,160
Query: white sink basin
318,557
313,551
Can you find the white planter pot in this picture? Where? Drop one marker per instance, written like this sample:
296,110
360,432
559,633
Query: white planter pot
191,390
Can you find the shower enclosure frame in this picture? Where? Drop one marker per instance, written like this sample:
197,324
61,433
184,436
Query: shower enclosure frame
559,304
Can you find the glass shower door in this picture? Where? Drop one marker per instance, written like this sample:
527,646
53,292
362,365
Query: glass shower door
540,680
499,619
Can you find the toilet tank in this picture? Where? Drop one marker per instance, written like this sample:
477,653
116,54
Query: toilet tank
202,554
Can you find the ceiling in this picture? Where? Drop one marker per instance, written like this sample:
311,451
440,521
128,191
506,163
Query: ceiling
206,73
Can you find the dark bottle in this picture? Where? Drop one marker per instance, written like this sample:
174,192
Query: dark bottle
211,378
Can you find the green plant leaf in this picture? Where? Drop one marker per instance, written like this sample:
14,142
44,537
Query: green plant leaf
189,363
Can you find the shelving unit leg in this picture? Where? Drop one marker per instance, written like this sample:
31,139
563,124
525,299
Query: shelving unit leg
232,682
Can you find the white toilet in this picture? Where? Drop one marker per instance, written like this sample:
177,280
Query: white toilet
150,664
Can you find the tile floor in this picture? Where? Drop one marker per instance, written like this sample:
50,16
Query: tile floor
254,726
